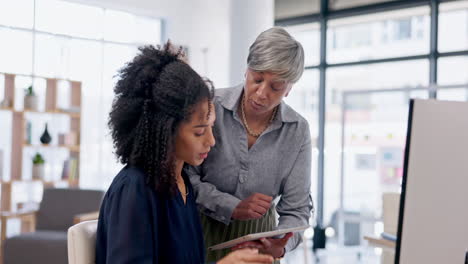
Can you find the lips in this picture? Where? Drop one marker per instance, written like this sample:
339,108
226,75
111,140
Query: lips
203,155
256,105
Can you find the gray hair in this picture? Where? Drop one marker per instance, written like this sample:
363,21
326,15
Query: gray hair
276,51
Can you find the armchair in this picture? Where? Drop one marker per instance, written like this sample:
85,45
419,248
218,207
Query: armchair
46,241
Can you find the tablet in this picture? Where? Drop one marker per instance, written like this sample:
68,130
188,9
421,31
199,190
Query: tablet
257,236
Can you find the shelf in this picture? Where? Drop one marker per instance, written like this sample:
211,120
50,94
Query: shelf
19,129
38,76
71,114
380,242
69,147
6,109
32,180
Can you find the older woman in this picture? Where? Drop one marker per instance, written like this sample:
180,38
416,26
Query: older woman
263,151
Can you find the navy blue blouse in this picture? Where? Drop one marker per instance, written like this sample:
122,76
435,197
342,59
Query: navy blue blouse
138,226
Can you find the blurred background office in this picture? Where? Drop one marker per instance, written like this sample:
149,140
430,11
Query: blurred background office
364,60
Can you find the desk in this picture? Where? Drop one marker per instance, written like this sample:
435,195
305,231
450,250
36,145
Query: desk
380,242
388,248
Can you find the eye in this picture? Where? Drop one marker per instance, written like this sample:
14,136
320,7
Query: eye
258,80
277,87
274,88
200,133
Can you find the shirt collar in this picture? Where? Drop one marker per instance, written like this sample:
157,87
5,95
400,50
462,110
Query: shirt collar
230,100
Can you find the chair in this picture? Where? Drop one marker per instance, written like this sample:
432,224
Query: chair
82,242
58,210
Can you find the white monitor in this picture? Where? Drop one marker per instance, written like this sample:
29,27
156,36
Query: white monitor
433,219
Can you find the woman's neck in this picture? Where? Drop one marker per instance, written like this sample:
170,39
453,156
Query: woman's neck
179,164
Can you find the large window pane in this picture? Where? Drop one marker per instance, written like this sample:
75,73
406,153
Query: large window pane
294,8
18,13
69,19
373,122
309,36
304,99
51,56
86,61
382,35
341,4
115,57
15,51
453,71
148,30
119,26
453,26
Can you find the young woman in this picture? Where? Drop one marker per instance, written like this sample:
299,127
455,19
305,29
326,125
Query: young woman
161,119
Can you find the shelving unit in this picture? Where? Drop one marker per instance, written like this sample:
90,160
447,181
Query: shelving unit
18,125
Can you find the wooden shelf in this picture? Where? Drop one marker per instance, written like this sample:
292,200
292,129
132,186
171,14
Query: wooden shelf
69,147
71,183
380,242
71,114
18,143
38,76
32,180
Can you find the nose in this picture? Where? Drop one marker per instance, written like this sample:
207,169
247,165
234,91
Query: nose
261,90
210,139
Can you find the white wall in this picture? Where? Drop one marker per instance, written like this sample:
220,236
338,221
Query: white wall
248,19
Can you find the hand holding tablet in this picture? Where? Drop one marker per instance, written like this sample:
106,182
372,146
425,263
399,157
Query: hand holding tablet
256,236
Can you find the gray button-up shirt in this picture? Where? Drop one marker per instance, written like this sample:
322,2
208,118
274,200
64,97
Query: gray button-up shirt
278,164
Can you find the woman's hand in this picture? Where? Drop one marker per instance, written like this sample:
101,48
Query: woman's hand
270,246
246,256
252,207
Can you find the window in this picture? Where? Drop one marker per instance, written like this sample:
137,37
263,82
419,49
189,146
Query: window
377,36
374,120
293,8
304,99
453,26
18,13
16,51
309,36
340,4
453,71
70,19
78,42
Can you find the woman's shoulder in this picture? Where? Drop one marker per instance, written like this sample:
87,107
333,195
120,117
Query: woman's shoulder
128,178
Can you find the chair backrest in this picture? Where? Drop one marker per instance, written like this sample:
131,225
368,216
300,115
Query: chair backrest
82,243
59,206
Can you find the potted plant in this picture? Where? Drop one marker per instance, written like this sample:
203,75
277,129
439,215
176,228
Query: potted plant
38,167
30,99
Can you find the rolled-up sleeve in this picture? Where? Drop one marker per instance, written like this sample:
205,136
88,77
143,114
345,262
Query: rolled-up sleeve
295,205
212,202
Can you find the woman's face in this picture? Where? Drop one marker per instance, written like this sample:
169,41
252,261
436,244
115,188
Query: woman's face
263,91
195,138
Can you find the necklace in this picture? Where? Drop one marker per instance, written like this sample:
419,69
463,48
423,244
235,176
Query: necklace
186,190
244,120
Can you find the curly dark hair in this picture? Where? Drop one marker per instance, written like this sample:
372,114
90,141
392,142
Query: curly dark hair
155,92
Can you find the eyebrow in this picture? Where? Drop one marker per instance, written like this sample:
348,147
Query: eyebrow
197,126
278,80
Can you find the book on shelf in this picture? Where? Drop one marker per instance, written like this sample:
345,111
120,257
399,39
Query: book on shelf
70,169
